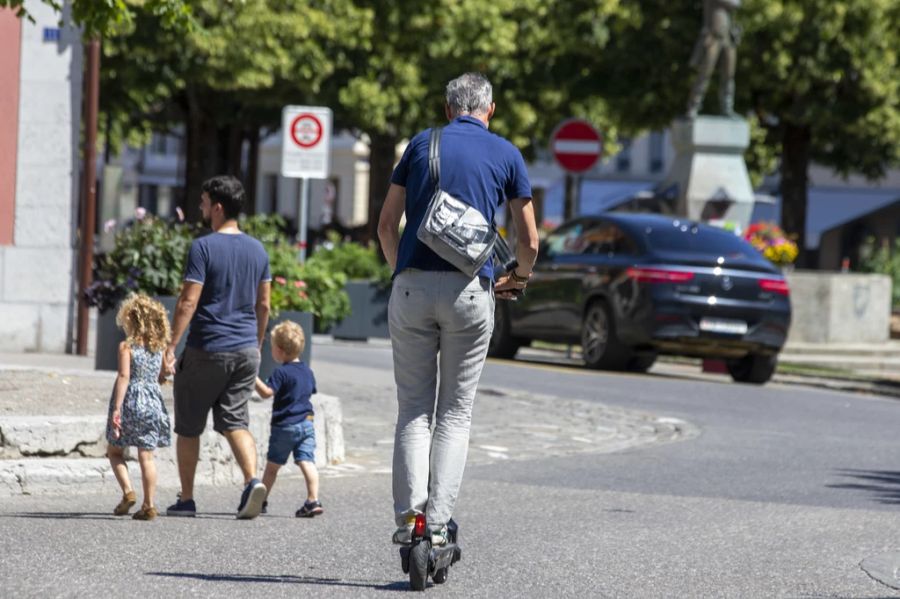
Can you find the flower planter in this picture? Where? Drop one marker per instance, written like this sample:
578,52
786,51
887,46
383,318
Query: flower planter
305,319
109,336
368,315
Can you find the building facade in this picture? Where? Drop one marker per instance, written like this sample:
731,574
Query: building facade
40,116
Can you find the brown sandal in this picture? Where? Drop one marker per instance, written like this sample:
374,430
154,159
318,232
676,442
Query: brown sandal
128,500
145,513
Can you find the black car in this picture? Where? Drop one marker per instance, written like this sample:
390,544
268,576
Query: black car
629,287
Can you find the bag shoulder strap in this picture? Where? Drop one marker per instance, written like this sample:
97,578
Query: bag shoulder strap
434,156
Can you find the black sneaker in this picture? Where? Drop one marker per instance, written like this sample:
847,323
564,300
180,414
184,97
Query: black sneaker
310,509
251,500
183,509
265,507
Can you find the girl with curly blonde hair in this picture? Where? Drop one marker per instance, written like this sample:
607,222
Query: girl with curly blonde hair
137,414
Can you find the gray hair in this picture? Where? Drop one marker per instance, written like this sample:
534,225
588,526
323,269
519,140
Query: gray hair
470,93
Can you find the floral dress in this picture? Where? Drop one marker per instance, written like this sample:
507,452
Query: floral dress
145,421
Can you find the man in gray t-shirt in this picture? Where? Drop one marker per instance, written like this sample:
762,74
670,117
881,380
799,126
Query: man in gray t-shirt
225,299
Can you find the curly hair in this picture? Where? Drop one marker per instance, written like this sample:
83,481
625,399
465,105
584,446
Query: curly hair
145,322
288,337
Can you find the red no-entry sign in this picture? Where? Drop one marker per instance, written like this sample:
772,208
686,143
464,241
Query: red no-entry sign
576,145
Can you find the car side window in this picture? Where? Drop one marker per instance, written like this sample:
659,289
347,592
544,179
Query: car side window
605,239
564,241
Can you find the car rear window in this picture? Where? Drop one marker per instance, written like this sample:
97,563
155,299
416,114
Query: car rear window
688,237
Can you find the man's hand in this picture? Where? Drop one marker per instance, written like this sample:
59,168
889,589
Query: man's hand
168,362
507,288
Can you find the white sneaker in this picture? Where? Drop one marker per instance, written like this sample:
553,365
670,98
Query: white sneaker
403,534
439,537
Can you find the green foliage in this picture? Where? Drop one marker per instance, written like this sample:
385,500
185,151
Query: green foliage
883,259
147,257
309,287
354,260
99,19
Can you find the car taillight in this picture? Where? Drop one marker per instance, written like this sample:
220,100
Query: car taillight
778,286
658,275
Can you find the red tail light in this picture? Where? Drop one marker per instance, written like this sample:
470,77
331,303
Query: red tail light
658,275
419,530
778,286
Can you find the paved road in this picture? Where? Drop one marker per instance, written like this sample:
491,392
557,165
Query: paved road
778,492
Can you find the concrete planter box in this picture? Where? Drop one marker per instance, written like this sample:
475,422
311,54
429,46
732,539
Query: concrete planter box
839,307
109,336
266,364
368,312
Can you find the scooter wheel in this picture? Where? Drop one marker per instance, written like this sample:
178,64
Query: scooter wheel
440,577
418,565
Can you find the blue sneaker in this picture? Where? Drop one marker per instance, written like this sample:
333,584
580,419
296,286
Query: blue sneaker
183,509
251,500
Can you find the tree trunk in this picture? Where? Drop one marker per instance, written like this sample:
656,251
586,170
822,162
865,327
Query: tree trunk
795,148
252,169
381,165
209,152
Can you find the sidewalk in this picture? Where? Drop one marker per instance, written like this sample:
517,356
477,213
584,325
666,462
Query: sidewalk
53,411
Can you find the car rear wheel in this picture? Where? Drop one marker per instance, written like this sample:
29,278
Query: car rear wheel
600,346
503,344
753,368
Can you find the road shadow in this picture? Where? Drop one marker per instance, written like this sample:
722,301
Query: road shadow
64,516
287,579
883,484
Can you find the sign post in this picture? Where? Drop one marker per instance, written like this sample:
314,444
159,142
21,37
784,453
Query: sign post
305,155
577,147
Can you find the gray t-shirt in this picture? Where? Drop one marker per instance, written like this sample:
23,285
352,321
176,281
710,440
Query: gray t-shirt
230,268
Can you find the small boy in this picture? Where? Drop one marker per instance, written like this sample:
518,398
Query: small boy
292,384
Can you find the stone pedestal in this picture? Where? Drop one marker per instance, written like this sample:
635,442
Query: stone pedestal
709,170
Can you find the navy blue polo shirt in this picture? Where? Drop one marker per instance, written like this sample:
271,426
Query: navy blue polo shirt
230,268
477,167
294,385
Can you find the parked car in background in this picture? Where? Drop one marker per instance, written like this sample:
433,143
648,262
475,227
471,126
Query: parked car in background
628,287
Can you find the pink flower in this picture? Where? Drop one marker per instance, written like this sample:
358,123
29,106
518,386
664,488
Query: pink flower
302,294
180,213
140,213
109,225
300,284
281,280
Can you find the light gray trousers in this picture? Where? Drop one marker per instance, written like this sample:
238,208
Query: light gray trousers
439,321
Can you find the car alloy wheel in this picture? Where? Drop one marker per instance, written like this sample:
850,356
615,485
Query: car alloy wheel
595,334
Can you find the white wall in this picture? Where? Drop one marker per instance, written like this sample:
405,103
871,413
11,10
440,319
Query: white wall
37,276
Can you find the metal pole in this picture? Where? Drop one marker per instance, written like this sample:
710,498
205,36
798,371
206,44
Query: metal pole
569,208
302,211
89,188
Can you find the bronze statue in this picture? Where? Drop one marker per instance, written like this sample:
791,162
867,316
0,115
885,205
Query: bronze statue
717,44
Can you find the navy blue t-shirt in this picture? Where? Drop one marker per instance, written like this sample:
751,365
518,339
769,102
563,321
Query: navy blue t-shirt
293,384
478,167
230,268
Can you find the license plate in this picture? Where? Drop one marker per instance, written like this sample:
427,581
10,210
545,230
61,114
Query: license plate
722,325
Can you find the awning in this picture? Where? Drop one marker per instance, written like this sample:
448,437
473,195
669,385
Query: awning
830,207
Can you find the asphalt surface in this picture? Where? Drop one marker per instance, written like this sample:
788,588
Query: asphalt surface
778,492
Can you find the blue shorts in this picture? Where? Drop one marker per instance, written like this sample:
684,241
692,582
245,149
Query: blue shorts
299,438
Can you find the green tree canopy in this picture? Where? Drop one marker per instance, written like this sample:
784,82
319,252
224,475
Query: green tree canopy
819,78
98,19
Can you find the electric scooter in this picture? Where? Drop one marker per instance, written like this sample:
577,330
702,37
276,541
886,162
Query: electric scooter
420,560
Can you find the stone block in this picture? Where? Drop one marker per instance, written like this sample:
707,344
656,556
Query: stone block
34,189
26,436
43,227
19,326
41,144
55,454
54,327
839,307
37,275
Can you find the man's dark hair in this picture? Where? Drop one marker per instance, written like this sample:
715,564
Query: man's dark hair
227,191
